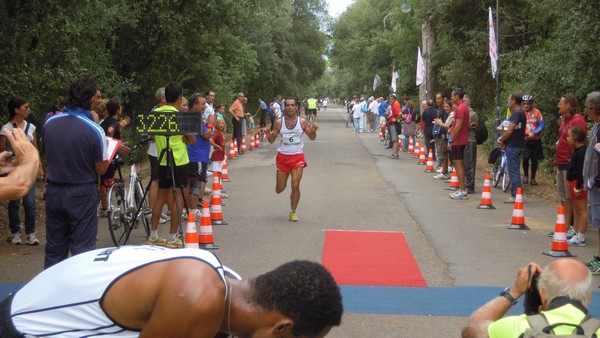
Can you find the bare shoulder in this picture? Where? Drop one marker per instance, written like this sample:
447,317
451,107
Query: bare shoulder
180,294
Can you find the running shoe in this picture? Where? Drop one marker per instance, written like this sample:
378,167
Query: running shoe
32,240
595,268
571,233
576,241
103,213
293,216
441,177
15,239
156,241
174,243
459,195
594,261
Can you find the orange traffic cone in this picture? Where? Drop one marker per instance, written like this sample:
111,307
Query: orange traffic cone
258,140
486,194
231,149
560,246
244,144
191,236
454,185
206,240
225,173
417,151
429,168
380,134
235,147
518,217
411,146
216,212
422,160
252,145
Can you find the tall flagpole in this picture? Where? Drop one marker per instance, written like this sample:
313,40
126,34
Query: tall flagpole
497,65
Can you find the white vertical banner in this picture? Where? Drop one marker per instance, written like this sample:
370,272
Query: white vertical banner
420,67
376,82
394,78
493,45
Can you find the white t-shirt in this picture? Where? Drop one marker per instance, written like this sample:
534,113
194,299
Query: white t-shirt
357,110
276,109
374,107
10,127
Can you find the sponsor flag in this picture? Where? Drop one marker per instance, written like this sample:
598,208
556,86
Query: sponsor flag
420,67
376,81
394,79
493,46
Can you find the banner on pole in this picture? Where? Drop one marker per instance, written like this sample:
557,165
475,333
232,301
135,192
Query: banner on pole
420,67
376,82
394,79
493,45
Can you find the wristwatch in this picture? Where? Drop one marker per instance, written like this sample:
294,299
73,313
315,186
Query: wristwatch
506,294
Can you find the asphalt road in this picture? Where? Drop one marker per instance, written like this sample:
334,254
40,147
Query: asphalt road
350,184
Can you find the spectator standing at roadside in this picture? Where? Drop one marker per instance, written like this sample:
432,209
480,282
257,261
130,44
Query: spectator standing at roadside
237,114
381,114
18,111
409,127
443,121
576,139
513,140
217,141
160,101
374,114
459,137
74,161
470,161
440,138
568,108
356,114
393,122
210,104
533,149
262,108
427,117
591,172
276,108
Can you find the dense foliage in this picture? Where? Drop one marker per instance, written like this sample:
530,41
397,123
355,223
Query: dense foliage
261,47
547,48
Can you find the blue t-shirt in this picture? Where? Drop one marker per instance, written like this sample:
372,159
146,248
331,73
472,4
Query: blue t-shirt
199,151
73,145
517,138
382,108
263,105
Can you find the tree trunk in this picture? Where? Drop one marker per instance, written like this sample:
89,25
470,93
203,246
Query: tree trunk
428,37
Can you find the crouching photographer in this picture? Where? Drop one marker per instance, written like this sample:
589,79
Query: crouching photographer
564,289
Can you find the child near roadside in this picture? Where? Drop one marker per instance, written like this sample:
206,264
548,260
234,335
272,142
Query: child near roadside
576,138
218,142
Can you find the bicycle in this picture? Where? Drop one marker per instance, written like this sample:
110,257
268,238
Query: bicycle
127,205
500,172
350,121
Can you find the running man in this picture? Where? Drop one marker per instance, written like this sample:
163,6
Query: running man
290,156
313,106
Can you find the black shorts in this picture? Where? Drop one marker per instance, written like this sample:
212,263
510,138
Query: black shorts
533,150
198,171
457,153
181,177
153,167
313,111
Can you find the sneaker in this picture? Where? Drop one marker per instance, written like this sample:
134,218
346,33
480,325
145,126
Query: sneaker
594,261
162,220
156,241
439,170
174,243
533,182
198,215
571,233
525,180
509,200
32,240
459,195
394,157
15,239
576,241
293,217
441,177
103,213
595,268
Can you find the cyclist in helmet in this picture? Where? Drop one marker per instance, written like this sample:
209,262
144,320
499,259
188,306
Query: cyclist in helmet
533,139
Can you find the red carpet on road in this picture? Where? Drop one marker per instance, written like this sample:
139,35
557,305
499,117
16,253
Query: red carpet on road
370,258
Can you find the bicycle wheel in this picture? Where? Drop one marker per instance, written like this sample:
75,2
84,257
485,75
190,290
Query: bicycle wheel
141,202
117,215
505,181
349,121
496,174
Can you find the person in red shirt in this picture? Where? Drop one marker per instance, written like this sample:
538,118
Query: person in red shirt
568,107
394,123
218,143
459,137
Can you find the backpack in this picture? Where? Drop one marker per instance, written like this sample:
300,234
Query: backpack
541,328
481,132
364,108
270,109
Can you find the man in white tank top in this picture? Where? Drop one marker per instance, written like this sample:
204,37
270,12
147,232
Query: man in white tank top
290,156
152,291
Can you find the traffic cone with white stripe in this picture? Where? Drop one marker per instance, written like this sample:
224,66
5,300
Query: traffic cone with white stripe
518,218
244,144
422,160
231,150
216,211
429,168
560,246
486,194
191,236
454,185
224,172
206,239
380,134
235,147
258,140
417,150
411,146
252,145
